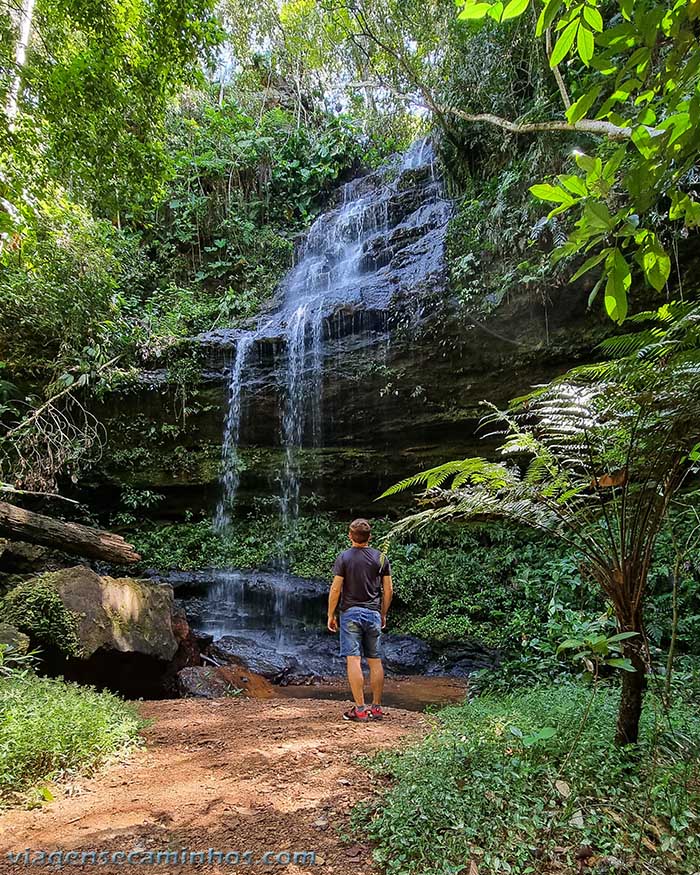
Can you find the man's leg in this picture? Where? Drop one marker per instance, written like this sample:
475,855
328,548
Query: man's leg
356,679
376,680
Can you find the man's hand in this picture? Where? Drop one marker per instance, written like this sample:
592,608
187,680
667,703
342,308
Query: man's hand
383,621
332,624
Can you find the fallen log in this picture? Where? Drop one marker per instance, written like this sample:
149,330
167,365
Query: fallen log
25,525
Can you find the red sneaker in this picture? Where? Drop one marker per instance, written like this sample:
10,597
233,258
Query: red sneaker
376,713
357,714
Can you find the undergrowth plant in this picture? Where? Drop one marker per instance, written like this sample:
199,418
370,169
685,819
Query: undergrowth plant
520,783
52,730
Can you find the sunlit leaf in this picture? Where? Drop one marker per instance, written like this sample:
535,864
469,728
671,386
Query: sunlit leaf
514,9
564,43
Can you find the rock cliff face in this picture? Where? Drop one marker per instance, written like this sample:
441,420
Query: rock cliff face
361,371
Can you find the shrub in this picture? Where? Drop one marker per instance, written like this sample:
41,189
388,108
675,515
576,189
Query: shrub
50,728
517,784
35,608
505,587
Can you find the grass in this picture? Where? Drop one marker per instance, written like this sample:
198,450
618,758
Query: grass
513,784
50,729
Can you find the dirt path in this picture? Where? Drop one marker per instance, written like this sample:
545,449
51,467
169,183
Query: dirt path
242,775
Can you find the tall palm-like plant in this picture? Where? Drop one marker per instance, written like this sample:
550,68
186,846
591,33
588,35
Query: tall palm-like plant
593,459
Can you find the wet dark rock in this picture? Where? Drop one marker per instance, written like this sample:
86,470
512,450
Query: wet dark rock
12,638
20,557
463,658
203,639
314,655
404,654
207,682
189,651
258,655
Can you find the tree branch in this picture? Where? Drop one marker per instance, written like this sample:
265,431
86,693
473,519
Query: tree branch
584,126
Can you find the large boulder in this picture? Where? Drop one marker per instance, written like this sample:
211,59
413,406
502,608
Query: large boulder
122,614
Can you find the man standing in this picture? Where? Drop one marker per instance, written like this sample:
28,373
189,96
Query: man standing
362,584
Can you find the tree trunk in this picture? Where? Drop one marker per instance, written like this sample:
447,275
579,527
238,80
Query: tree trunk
15,522
633,686
24,23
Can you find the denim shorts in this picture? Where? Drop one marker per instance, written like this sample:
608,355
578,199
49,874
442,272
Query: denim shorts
360,633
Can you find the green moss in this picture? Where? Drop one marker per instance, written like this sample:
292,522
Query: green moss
35,608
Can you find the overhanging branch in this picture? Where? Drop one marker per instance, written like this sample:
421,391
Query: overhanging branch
584,126
587,126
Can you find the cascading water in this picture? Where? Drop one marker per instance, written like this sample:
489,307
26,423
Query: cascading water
230,462
383,240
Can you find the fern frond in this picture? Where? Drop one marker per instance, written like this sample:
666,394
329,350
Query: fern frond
475,470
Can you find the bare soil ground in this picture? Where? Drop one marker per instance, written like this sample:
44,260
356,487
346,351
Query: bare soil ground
246,775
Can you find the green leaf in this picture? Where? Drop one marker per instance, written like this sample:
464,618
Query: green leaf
574,184
643,140
570,643
496,11
655,262
617,285
579,109
622,636
514,9
546,192
589,264
585,44
624,664
594,291
586,163
474,11
564,43
597,215
547,16
593,18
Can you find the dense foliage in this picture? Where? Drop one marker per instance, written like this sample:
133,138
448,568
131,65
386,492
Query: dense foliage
530,782
52,730
505,587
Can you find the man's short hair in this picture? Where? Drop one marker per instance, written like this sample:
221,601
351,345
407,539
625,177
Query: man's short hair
360,531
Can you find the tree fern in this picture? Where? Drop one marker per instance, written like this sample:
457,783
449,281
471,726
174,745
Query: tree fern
593,459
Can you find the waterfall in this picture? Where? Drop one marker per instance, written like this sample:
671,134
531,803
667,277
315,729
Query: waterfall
230,461
303,388
383,239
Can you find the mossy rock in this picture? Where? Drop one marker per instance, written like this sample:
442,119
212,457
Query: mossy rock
12,637
123,614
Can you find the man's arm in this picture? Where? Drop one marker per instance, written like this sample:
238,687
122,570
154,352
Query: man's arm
333,599
387,595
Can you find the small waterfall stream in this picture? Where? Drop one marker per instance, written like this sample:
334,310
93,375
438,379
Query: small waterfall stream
385,237
230,462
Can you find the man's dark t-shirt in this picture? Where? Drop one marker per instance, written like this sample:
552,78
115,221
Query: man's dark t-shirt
362,569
